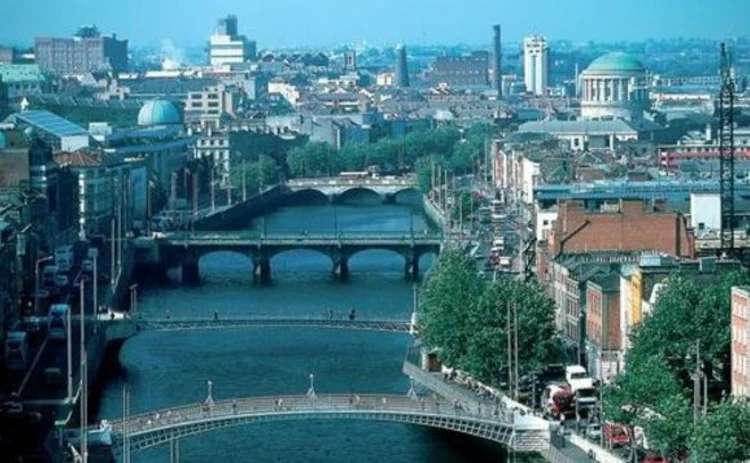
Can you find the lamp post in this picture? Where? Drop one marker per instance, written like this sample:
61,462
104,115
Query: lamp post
133,298
311,392
36,282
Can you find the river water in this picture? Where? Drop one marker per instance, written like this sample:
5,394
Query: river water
171,369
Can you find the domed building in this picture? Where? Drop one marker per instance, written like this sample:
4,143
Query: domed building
614,87
159,112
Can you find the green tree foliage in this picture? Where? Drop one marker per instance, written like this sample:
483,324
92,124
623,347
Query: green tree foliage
264,171
444,146
467,318
655,392
650,396
721,436
447,300
686,312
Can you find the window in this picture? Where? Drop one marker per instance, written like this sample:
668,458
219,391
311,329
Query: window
213,104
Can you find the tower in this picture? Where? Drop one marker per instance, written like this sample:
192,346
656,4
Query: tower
726,152
535,57
350,61
402,71
497,61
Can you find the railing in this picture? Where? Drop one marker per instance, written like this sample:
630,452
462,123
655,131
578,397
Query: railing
355,404
187,324
257,237
337,181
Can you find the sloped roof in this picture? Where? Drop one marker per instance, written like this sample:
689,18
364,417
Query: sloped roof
48,122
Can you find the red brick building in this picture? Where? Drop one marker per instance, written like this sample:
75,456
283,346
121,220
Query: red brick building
622,226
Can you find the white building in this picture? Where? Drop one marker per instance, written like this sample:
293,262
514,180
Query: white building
535,64
705,212
216,145
614,86
227,46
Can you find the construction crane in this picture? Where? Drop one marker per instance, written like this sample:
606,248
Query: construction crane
726,153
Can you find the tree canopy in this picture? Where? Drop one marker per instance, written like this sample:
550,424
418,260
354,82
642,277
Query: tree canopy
691,314
466,318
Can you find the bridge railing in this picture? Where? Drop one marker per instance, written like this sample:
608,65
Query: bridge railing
386,236
352,403
338,181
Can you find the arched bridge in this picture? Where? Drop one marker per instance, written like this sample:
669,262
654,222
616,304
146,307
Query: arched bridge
155,428
185,249
334,188
119,328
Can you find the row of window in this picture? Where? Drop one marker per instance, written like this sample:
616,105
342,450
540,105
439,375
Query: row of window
213,142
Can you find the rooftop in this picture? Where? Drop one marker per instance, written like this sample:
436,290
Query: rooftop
47,122
616,61
13,73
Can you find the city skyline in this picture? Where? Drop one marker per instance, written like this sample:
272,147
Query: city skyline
387,23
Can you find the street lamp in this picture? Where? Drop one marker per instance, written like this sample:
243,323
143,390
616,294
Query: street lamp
311,392
133,298
36,282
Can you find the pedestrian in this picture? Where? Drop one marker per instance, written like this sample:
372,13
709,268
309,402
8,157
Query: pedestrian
385,402
351,314
216,316
167,314
234,406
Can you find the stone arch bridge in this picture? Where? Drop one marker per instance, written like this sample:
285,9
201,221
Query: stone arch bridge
186,249
336,188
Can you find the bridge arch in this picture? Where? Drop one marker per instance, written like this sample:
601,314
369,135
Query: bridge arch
360,191
145,431
405,193
307,197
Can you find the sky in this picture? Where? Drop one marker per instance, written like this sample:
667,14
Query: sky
285,23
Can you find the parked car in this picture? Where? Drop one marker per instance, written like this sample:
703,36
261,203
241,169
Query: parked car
594,432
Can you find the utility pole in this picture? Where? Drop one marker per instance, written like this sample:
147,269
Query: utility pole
125,424
112,244
244,181
697,383
515,330
69,346
82,397
510,348
213,186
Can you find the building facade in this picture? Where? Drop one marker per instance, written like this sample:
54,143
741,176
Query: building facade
740,341
462,71
535,64
86,51
614,86
227,47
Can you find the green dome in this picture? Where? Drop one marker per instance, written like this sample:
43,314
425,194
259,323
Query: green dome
616,62
158,112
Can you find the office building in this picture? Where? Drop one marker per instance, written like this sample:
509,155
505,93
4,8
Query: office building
614,87
86,51
497,61
535,64
462,71
227,47
402,70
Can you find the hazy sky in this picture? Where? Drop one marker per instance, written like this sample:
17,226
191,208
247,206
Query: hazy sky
379,22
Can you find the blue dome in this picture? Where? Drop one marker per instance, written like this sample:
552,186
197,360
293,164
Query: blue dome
159,112
616,62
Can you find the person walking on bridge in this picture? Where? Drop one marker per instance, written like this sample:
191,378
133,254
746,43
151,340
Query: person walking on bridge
352,314
216,316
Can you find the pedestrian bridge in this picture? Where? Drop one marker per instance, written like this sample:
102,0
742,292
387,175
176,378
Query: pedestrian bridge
122,328
194,324
155,428
336,188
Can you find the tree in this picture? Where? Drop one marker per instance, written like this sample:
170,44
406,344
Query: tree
649,395
264,171
487,354
685,313
721,436
447,298
467,319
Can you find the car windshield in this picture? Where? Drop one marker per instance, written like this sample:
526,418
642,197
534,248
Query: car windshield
578,375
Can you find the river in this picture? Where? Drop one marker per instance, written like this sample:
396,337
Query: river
170,369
